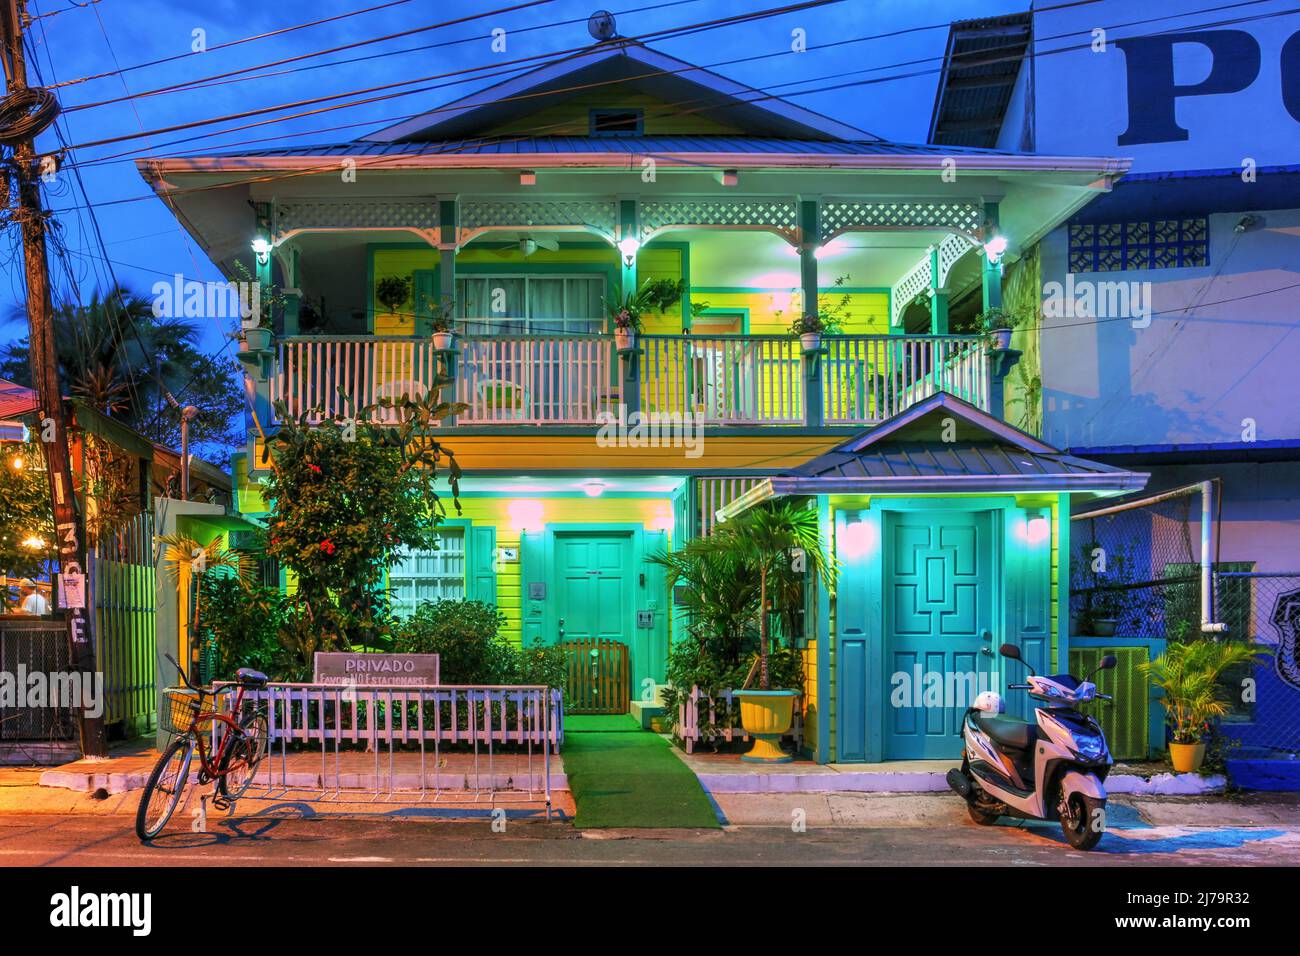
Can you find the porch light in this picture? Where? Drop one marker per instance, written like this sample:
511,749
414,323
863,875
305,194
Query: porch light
994,249
262,248
1037,530
629,248
17,463
525,515
593,487
858,540
34,542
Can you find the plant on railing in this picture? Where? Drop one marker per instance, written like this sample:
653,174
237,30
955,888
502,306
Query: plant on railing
393,292
625,313
998,324
823,319
348,494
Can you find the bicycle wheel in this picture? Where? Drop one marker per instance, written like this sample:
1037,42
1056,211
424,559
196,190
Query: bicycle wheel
162,794
250,748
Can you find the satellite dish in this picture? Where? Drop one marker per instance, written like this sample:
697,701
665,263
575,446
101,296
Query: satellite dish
601,25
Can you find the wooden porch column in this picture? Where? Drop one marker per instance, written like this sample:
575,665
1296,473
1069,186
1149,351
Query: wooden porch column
448,238
630,359
809,236
938,297
992,272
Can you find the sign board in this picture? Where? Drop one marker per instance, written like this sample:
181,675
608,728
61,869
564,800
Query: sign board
72,591
645,619
409,670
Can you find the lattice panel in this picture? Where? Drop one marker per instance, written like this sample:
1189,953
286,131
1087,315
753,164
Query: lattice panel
841,215
908,288
781,215
479,215
364,214
953,247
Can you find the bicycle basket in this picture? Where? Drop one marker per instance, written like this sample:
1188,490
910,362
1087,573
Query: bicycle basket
180,707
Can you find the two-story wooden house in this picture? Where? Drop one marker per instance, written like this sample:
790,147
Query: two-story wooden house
527,204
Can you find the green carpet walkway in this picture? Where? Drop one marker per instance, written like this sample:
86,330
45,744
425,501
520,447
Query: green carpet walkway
622,776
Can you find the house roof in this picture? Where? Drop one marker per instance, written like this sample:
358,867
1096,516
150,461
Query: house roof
628,63
943,445
16,400
980,66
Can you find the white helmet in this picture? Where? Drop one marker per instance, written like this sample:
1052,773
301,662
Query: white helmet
990,702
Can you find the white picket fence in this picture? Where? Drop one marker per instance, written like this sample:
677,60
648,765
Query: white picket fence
315,372
395,723
702,718
869,378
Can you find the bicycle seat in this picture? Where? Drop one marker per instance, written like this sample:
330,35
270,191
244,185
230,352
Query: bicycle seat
251,678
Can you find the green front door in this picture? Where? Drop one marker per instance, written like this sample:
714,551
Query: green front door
593,583
939,599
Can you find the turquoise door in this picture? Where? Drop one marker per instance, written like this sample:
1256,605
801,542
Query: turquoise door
939,579
593,585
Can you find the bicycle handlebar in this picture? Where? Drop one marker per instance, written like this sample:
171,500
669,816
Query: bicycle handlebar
184,677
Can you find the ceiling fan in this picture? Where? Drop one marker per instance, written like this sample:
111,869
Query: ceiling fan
530,243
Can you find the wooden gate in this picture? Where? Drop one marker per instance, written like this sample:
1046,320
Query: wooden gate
598,676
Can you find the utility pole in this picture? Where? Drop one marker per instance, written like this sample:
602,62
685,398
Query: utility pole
53,425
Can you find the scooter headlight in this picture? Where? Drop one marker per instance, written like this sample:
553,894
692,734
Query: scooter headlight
1090,746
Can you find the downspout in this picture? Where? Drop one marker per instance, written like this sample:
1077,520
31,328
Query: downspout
1208,535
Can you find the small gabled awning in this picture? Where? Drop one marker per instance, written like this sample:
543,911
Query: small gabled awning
943,445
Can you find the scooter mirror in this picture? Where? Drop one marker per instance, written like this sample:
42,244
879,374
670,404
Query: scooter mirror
1010,650
1107,662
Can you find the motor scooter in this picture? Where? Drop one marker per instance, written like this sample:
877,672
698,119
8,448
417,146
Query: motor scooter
1053,768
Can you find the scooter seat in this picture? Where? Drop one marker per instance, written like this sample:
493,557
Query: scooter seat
1008,731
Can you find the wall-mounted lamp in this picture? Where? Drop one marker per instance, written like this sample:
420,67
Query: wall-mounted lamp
593,487
262,248
994,248
629,248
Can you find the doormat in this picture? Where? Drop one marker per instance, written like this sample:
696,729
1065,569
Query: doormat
633,780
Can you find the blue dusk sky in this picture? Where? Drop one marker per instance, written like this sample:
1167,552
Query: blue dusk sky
73,44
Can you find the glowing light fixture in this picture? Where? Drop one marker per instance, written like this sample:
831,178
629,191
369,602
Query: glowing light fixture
262,248
35,542
858,540
1037,530
629,247
17,463
994,248
525,514
593,487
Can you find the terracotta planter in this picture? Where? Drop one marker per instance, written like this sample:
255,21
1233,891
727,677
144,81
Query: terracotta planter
1187,758
624,339
766,716
811,341
443,341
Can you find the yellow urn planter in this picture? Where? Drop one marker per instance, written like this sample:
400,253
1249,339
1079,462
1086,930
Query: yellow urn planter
1187,758
766,716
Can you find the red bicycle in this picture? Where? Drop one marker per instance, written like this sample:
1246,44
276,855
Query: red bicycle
232,763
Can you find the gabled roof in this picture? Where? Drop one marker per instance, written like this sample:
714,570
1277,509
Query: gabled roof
980,67
943,445
16,400
633,64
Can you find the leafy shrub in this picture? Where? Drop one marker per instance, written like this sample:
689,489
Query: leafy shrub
690,664
241,625
465,635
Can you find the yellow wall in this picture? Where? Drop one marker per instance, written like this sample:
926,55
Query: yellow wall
653,513
525,451
571,117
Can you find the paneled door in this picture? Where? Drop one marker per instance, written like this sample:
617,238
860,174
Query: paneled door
593,579
939,588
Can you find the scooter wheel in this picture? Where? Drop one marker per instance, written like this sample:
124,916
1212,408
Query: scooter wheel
1086,823
982,817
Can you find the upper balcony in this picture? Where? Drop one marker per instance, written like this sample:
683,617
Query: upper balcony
583,379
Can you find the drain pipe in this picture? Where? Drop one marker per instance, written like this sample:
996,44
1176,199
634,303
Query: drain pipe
1208,535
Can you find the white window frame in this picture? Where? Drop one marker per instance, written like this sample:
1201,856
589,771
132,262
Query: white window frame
442,579
587,323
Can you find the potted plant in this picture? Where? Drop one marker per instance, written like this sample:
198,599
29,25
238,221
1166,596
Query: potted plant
809,329
998,325
258,338
1102,618
393,292
1190,675
781,542
625,316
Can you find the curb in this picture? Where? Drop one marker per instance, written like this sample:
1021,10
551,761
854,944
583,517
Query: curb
1163,784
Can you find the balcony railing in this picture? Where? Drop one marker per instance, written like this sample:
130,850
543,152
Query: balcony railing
573,379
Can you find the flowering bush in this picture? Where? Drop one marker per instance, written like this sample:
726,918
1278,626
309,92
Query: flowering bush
346,497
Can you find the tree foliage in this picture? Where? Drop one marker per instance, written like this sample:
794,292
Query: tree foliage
24,512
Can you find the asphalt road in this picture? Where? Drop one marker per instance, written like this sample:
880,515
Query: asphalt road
284,837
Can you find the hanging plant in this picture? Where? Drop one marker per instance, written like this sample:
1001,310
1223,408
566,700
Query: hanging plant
393,292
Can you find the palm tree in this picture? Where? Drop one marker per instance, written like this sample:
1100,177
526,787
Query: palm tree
1191,676
181,553
782,543
719,592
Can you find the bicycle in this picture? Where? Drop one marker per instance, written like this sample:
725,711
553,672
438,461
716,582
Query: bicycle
232,763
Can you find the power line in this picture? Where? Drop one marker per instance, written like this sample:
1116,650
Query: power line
562,55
